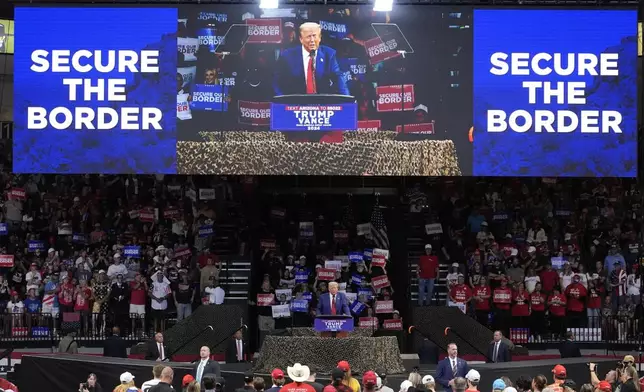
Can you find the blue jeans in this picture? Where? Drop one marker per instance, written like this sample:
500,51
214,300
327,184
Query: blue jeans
425,290
183,311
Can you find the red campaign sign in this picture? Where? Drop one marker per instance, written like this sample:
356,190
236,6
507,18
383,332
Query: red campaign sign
378,51
326,274
18,193
146,216
264,31
424,128
368,322
378,261
6,261
267,244
384,307
171,213
254,113
380,281
341,235
392,325
369,125
181,252
389,98
265,299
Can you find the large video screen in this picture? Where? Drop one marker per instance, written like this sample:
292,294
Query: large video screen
316,90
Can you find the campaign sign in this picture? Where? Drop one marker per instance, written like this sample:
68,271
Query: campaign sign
18,193
281,311
355,257
36,245
420,128
356,279
254,113
366,291
133,251
265,299
565,93
378,51
146,216
352,69
380,282
389,98
326,274
6,261
333,325
182,252
384,306
393,325
264,31
300,306
357,307
368,322
369,125
307,296
209,38
334,30
340,117
301,277
368,253
213,97
106,84
4,230
206,231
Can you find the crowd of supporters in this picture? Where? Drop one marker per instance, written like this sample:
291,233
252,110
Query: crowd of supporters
540,253
93,251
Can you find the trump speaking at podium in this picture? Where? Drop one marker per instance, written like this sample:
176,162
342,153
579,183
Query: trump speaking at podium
333,302
310,68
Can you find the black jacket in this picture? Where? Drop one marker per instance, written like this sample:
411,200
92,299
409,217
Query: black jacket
502,355
212,367
231,351
569,349
152,351
115,346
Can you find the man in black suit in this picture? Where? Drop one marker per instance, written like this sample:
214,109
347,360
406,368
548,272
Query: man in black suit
498,350
156,350
236,350
205,365
569,348
114,345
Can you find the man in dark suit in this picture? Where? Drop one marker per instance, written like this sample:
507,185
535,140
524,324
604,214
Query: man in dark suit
309,68
569,348
205,365
236,351
450,368
115,346
498,351
333,302
156,350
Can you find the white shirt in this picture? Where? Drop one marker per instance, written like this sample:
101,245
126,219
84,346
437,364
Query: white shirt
305,60
215,295
531,282
160,290
633,284
200,369
240,349
114,270
161,351
17,307
149,384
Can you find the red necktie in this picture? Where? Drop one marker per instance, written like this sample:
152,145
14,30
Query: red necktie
310,78
333,305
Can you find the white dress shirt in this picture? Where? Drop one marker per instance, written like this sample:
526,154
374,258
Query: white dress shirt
305,60
240,349
161,353
200,369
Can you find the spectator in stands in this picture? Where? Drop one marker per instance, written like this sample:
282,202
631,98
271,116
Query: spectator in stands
337,376
369,381
559,377
184,296
481,299
156,377
557,308
348,379
460,384
159,292
576,297
427,272
629,380
415,378
473,378
498,385
299,374
216,295
165,382
277,377
188,383
539,383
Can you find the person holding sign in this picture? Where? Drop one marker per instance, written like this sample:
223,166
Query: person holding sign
333,302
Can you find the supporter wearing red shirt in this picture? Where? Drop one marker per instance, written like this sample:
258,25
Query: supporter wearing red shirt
593,305
66,296
576,295
82,296
481,300
138,290
520,306
502,299
557,308
549,279
460,293
203,258
427,271
537,311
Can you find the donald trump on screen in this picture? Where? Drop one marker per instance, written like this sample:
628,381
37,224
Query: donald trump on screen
309,68
333,302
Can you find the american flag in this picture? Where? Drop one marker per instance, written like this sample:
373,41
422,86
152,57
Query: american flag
379,228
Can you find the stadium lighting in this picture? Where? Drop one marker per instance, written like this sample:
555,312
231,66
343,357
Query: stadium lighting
269,4
383,5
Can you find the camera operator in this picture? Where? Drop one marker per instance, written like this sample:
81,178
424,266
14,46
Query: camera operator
611,376
91,385
630,380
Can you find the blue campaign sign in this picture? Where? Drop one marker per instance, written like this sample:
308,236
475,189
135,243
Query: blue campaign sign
301,277
356,257
368,253
133,251
213,97
4,230
333,324
206,231
367,292
78,238
356,279
357,307
307,296
300,305
36,245
340,117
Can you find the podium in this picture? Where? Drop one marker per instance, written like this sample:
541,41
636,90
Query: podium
333,326
314,112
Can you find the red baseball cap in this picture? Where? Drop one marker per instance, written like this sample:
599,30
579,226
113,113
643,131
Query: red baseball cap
344,366
277,374
187,379
369,379
604,386
559,371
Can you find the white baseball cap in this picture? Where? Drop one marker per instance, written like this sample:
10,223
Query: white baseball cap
428,246
126,377
473,376
427,379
